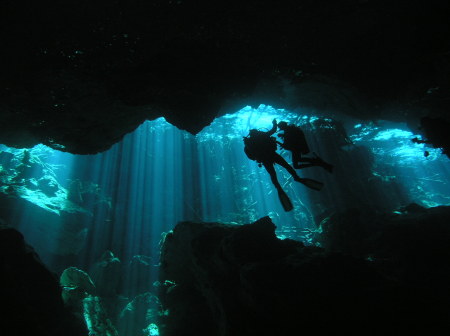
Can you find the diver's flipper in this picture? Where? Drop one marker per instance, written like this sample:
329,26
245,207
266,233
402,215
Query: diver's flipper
285,201
310,183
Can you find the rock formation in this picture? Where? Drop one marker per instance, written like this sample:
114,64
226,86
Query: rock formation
77,77
242,280
29,186
31,295
372,272
109,303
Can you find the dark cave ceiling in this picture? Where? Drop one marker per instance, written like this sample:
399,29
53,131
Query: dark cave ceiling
79,75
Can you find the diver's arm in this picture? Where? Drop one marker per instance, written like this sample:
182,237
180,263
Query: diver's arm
274,127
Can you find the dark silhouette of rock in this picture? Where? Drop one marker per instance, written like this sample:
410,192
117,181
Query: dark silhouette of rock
84,75
31,295
97,319
77,285
242,280
436,132
31,186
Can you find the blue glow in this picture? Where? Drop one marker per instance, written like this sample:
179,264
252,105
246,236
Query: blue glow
125,199
249,118
392,133
158,176
422,171
156,166
394,142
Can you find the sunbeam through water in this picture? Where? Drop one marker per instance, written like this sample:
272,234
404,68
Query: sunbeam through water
84,210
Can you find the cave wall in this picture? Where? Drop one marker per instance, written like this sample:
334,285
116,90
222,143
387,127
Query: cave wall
30,292
374,273
77,76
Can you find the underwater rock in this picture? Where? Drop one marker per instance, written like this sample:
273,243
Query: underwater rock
49,230
414,248
55,224
31,295
141,313
48,185
346,231
97,320
106,274
76,285
82,89
242,280
437,133
363,232
410,246
80,295
412,208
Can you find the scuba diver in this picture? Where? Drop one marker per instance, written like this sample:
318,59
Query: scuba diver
294,140
261,146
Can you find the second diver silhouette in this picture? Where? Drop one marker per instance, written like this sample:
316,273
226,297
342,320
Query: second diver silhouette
261,146
294,140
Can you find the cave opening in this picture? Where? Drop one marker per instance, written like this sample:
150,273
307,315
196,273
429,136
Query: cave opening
81,210
157,176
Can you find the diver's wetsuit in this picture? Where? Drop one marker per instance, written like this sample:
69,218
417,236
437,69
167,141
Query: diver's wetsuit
269,165
261,147
264,149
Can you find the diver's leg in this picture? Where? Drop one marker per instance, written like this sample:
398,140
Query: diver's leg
273,174
296,157
282,162
283,197
310,162
297,161
310,183
318,161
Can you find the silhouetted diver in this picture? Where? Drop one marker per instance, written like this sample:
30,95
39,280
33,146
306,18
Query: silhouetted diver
294,140
261,147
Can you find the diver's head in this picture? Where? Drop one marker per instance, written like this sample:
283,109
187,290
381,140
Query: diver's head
252,132
282,125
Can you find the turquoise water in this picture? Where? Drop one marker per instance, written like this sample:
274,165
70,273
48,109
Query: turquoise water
126,198
117,206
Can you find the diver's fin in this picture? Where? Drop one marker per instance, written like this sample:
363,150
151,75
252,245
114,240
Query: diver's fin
310,183
285,201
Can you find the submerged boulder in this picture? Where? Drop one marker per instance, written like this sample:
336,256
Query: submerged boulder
81,295
77,285
411,246
31,295
97,319
48,185
243,280
49,229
